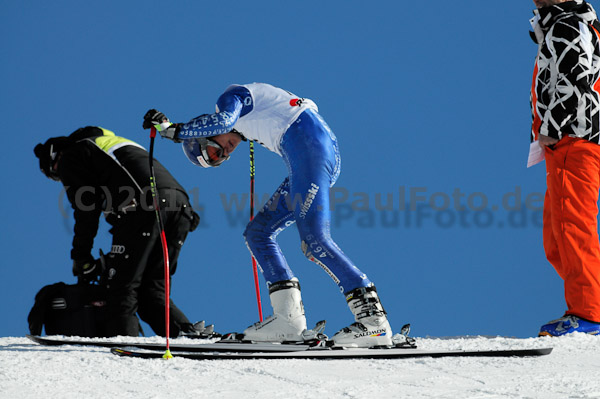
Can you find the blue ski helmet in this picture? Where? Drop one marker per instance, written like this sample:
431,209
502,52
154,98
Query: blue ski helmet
204,152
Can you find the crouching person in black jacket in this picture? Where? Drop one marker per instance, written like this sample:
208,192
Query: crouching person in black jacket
102,172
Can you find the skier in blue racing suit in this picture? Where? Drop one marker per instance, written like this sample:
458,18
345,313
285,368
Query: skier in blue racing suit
291,127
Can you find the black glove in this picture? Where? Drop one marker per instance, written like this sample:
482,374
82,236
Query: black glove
154,117
87,270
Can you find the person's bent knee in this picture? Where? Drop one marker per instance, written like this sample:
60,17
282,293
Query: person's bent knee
253,235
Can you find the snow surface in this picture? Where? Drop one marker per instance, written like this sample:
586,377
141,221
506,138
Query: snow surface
572,370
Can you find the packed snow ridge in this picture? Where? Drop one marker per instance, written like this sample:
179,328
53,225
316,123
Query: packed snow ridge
28,370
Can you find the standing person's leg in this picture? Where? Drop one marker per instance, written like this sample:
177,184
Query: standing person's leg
311,153
310,149
178,220
134,235
261,236
552,209
288,322
571,208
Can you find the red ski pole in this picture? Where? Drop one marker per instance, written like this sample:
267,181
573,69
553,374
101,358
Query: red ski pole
163,240
254,265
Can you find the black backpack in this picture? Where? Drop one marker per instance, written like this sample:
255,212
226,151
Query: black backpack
75,310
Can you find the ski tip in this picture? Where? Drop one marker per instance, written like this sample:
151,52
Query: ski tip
167,355
118,351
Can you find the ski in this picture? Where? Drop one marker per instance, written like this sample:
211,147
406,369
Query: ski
233,349
228,343
331,354
220,346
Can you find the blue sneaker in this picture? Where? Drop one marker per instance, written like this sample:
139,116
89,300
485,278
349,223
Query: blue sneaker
569,324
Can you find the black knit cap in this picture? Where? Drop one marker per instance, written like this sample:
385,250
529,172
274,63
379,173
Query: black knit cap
48,152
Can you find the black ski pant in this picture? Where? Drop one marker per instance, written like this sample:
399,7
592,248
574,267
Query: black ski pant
135,266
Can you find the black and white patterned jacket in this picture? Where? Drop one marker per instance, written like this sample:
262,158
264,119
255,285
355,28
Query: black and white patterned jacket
565,98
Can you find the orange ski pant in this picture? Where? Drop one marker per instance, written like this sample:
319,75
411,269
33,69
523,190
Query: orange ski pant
570,222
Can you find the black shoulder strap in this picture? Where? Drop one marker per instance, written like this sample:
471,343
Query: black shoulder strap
596,25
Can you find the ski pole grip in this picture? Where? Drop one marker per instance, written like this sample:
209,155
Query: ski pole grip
152,132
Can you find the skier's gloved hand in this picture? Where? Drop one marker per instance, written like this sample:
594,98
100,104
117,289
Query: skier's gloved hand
153,118
87,270
166,129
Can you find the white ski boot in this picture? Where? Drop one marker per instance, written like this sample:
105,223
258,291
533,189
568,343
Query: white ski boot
371,327
288,322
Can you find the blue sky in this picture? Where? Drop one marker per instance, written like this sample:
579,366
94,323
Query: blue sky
429,99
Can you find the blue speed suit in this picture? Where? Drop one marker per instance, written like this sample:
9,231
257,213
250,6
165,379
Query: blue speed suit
291,127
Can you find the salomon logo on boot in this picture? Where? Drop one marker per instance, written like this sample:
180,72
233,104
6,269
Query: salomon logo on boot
377,333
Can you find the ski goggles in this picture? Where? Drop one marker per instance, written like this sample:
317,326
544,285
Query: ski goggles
213,153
